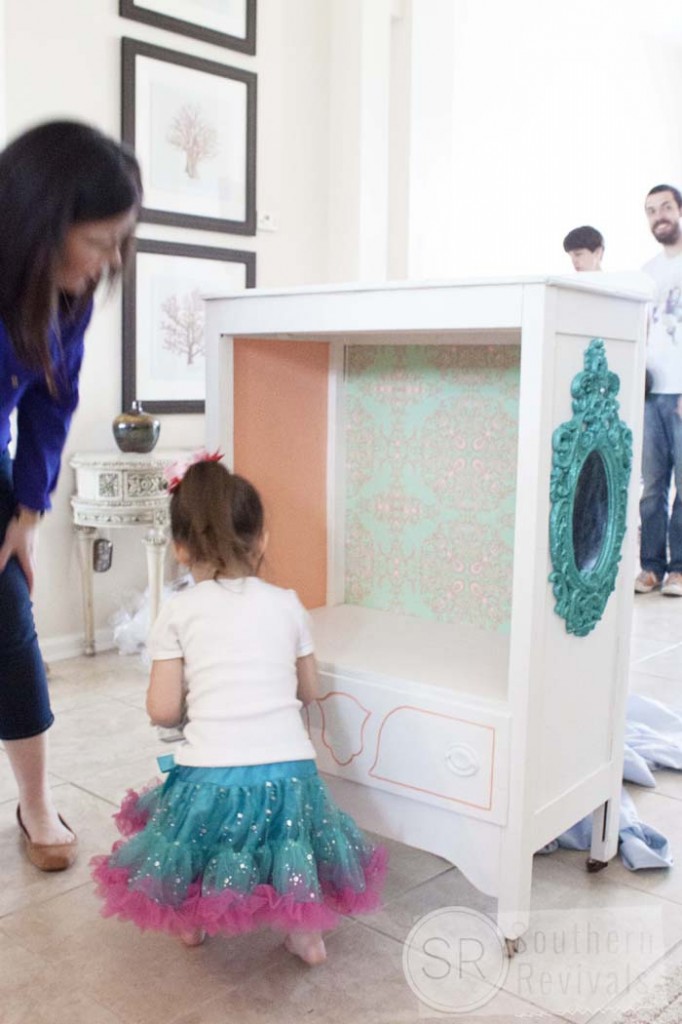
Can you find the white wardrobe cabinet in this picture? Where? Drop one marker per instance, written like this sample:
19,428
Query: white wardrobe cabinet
430,455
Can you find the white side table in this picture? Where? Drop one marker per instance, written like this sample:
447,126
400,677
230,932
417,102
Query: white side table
117,489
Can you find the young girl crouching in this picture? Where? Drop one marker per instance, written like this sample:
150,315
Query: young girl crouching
243,833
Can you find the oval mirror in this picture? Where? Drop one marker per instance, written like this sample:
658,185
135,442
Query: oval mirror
590,512
589,495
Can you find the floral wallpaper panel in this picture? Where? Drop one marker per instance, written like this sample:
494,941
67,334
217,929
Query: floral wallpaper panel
430,480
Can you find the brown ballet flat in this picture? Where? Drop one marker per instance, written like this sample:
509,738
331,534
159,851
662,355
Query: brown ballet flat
49,856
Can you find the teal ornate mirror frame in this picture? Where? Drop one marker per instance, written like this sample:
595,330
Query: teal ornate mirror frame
591,463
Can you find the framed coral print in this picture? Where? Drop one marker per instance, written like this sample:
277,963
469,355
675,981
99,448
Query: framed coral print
230,23
164,362
192,124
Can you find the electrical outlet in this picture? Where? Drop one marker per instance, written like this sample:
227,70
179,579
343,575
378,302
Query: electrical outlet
267,221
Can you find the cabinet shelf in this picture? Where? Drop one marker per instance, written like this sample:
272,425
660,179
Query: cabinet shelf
389,646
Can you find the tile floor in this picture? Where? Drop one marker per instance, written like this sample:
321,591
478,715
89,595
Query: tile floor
599,945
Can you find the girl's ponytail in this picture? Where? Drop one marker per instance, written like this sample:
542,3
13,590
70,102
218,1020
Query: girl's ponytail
218,517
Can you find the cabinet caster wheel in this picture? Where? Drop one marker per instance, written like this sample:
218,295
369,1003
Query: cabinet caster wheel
595,865
511,946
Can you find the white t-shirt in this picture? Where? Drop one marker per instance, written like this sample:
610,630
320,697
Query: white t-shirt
664,351
239,640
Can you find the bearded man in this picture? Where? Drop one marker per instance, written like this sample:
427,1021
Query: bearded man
661,533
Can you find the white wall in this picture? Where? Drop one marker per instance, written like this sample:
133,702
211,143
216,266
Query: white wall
556,114
434,138
63,59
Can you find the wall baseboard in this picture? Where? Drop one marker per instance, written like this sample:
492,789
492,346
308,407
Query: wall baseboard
58,648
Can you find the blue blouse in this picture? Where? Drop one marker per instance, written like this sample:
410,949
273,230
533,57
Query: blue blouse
43,419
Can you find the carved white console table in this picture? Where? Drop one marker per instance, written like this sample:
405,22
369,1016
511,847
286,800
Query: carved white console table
115,489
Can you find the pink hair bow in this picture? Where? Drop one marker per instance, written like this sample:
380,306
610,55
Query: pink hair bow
175,471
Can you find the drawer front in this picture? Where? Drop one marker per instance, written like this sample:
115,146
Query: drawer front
438,750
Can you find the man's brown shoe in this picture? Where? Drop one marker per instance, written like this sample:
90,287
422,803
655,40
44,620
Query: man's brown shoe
646,582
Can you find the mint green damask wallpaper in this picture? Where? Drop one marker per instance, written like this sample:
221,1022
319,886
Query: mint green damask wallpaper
430,483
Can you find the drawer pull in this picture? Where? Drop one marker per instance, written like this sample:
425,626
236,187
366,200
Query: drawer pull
462,760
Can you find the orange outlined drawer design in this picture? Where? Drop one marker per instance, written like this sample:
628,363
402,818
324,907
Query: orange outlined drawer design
433,749
341,720
437,754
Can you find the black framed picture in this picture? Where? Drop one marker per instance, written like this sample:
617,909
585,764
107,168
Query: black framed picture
192,124
230,23
164,361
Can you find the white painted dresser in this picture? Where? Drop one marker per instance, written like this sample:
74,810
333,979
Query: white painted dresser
478,736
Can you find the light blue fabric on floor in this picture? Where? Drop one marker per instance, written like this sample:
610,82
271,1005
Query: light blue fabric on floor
653,739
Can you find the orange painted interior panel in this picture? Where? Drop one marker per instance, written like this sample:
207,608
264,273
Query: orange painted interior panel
280,444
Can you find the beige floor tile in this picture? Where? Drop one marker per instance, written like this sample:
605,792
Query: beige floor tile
408,867
88,740
33,992
83,681
362,981
574,963
55,1006
590,937
448,889
23,885
143,978
655,995
642,648
666,689
113,782
668,783
666,663
564,897
657,617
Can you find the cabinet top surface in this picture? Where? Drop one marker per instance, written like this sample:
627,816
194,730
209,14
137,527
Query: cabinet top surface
630,285
521,304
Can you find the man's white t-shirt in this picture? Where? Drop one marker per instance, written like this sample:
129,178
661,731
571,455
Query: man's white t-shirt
239,640
664,349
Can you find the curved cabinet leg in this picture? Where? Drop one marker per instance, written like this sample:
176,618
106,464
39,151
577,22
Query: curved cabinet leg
593,865
513,900
86,540
605,827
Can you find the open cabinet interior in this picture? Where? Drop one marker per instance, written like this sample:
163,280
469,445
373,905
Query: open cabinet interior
388,471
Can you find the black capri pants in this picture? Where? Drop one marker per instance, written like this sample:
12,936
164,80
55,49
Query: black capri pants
24,699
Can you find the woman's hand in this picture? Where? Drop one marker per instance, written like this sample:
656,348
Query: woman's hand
21,542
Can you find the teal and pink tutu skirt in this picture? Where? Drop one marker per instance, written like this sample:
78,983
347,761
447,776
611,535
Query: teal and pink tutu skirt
229,850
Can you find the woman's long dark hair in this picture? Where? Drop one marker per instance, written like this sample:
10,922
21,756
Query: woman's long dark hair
53,176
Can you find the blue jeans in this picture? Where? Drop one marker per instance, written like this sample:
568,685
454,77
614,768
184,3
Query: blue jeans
661,537
24,700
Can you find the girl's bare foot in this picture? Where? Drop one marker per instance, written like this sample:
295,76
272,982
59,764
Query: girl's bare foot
193,937
308,946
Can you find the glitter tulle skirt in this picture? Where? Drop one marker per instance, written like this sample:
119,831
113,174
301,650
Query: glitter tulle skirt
233,849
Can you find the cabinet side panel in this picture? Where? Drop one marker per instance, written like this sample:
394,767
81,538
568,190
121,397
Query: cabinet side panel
280,431
584,679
